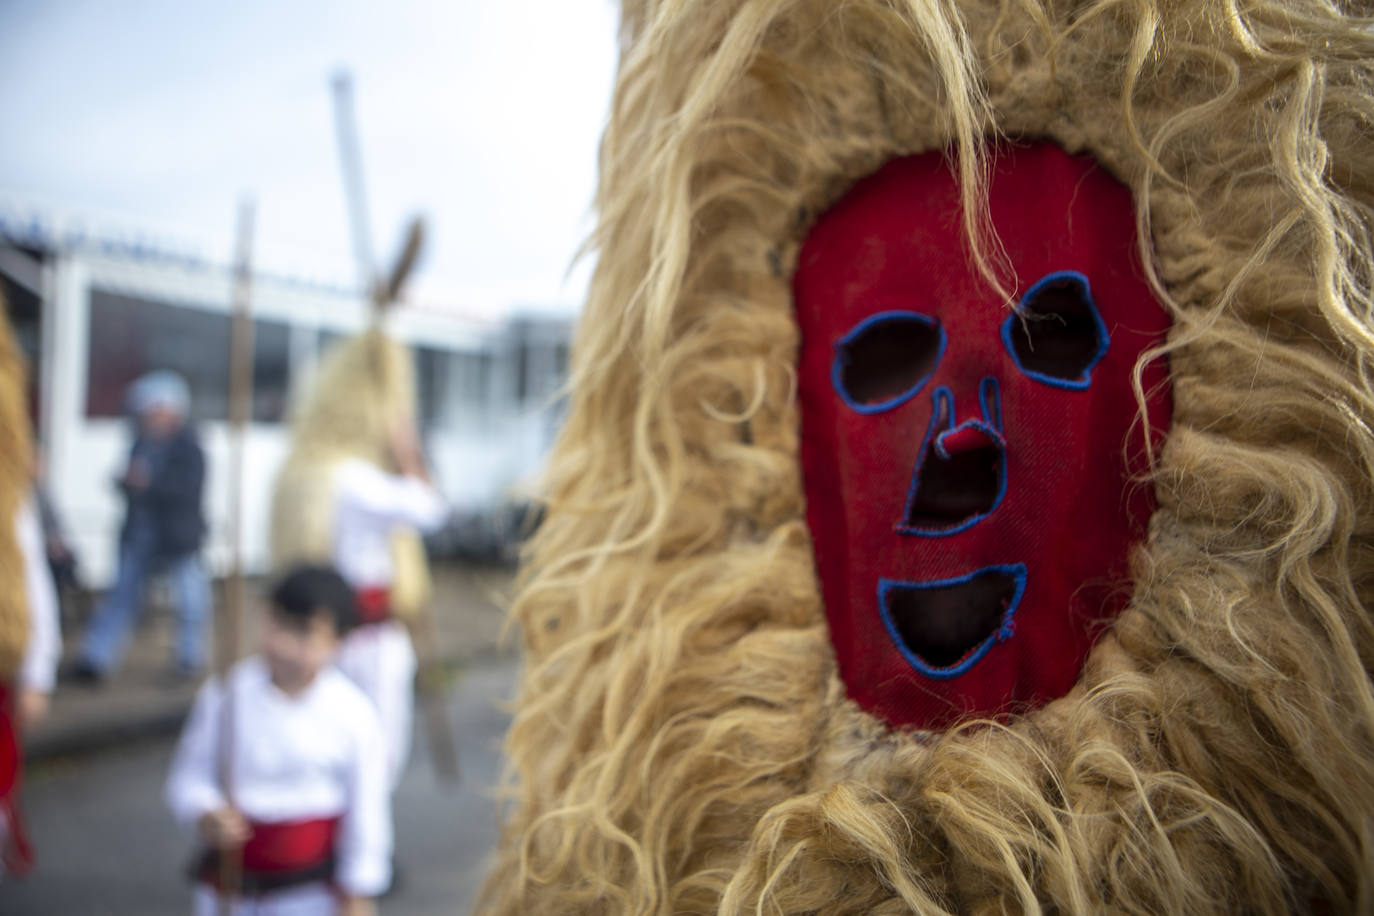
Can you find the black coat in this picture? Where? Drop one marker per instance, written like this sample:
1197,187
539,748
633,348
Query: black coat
170,505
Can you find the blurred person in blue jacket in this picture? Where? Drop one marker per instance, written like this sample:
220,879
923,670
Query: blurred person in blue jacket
164,526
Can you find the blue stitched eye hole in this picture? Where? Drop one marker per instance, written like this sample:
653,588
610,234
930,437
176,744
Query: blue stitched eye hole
1056,335
886,358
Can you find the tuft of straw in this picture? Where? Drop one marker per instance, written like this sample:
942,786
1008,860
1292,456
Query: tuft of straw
361,388
16,485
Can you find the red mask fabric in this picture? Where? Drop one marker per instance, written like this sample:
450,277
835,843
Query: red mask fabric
972,473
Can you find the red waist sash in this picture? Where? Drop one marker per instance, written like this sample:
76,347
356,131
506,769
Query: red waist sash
15,852
9,743
278,855
374,604
289,845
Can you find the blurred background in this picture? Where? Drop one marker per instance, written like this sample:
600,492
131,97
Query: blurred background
133,133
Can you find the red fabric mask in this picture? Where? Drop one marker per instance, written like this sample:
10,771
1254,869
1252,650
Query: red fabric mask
969,470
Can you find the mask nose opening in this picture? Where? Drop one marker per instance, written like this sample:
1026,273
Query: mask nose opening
961,474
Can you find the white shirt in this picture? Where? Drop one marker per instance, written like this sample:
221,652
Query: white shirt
315,755
369,504
41,653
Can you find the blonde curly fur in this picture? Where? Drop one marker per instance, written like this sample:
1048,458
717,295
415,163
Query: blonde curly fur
16,482
362,387
682,743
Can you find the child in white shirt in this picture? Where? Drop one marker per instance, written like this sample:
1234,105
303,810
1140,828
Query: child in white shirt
302,753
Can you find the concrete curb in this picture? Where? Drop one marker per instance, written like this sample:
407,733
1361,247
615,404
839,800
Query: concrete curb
75,742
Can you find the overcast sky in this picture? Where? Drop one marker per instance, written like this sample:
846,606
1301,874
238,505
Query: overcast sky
159,115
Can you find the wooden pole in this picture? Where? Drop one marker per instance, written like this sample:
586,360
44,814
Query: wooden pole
233,612
432,684
355,194
424,633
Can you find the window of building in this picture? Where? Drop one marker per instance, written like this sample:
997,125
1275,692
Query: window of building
325,340
271,370
432,386
130,336
521,368
473,377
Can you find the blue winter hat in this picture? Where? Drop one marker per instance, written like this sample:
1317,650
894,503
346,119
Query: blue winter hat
163,388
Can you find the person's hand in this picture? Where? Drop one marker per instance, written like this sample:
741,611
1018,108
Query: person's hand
136,477
224,828
33,707
57,548
406,453
357,906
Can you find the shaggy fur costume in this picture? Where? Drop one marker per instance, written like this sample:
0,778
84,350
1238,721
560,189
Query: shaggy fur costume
361,386
16,481
682,743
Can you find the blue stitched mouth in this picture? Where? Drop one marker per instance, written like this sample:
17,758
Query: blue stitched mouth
943,627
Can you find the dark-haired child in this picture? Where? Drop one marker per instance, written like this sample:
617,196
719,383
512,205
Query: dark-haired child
303,754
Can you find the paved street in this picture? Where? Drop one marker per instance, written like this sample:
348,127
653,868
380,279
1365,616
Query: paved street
106,844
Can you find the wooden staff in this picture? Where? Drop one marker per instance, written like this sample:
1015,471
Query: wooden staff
233,610
424,634
351,167
431,683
